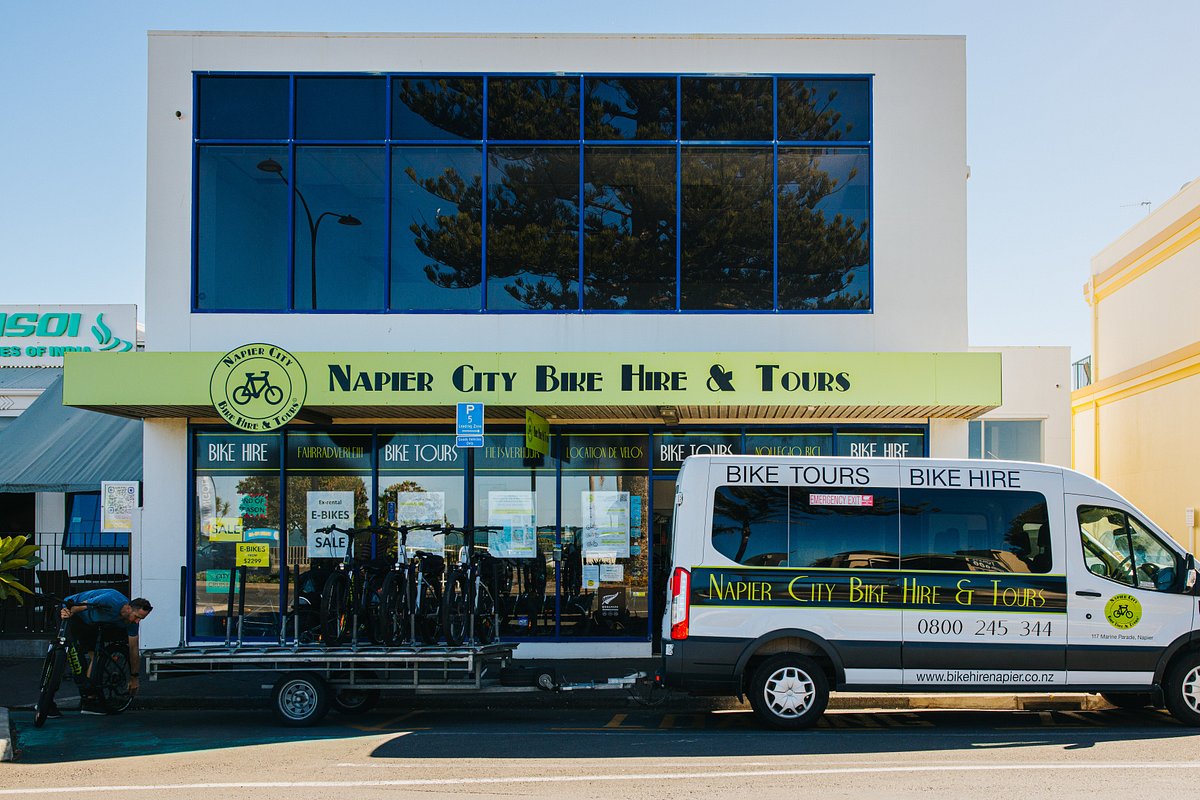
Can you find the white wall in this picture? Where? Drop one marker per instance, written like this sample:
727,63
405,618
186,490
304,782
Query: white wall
919,191
1036,384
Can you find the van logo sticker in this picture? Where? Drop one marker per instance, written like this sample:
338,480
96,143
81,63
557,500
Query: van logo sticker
258,387
896,589
1123,611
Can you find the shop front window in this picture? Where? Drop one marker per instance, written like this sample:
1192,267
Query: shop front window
515,493
420,483
885,444
237,505
605,534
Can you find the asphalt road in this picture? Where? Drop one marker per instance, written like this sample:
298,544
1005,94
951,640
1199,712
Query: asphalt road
637,753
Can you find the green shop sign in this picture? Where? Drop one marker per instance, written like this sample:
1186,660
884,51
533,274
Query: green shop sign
235,382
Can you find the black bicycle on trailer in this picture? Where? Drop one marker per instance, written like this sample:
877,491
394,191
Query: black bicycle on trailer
469,603
410,593
110,656
350,596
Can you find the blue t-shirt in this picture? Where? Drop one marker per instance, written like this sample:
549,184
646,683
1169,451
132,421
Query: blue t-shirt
103,608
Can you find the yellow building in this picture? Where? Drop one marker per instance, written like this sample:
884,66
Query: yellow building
1135,424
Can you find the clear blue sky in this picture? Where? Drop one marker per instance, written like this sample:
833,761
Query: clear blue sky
1077,112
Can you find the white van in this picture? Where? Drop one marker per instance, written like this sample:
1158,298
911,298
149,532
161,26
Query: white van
793,576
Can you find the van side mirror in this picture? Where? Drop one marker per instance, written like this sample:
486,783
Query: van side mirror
1189,571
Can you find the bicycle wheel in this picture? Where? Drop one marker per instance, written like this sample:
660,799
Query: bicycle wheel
393,609
52,673
376,613
274,395
113,681
241,395
336,609
485,617
456,610
426,604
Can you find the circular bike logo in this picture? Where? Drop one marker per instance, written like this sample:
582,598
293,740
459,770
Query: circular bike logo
258,387
1123,611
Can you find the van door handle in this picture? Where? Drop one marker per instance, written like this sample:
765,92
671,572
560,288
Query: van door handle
1082,593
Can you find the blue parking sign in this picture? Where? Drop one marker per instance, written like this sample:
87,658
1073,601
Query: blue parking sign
468,425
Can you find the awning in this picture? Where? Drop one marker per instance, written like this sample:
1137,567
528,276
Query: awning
610,387
56,448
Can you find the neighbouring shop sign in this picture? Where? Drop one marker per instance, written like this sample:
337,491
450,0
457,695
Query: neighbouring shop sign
355,380
39,336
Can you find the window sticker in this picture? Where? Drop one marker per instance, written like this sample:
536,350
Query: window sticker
857,500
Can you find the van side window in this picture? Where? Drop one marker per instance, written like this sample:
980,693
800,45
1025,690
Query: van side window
1120,548
974,530
843,528
778,526
750,524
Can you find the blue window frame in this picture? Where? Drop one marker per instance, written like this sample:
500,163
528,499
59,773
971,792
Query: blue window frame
519,193
83,525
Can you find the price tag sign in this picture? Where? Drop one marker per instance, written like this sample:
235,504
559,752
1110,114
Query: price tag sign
250,554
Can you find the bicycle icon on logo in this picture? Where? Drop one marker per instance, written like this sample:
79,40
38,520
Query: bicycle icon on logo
257,385
1122,611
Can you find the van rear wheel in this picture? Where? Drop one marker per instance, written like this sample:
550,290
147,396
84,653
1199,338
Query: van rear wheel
789,691
1181,690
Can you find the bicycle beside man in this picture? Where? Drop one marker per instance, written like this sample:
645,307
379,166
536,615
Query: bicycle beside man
86,613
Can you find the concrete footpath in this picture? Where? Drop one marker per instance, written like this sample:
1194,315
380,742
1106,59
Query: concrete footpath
19,679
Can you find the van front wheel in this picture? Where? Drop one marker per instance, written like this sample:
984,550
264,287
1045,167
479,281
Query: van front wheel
1182,690
789,691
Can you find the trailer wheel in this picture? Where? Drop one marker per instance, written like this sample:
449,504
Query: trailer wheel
351,701
300,699
789,691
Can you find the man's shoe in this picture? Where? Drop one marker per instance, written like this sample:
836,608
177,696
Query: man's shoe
52,711
91,707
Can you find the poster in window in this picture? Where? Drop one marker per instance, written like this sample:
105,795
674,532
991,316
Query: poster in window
605,525
326,509
514,513
421,508
118,499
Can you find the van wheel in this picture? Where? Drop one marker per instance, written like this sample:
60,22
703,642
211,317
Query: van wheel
789,691
1182,690
1129,701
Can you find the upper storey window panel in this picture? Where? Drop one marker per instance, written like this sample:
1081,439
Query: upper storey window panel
629,108
341,108
243,107
824,110
533,109
727,109
437,108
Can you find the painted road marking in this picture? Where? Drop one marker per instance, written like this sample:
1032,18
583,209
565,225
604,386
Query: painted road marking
1065,766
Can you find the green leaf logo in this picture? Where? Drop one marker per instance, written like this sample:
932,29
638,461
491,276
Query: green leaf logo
107,341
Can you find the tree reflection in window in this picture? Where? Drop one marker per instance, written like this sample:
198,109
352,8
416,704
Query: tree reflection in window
824,247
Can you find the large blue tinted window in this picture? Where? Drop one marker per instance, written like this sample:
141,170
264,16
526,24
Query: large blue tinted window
341,108
242,107
341,228
437,241
242,228
506,193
